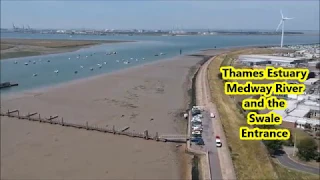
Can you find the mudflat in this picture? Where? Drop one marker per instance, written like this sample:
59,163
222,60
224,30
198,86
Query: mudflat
149,97
13,48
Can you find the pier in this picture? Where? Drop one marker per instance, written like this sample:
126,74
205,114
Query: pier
123,131
7,85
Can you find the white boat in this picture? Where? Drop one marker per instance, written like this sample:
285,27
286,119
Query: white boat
26,63
104,62
15,62
91,69
131,58
34,62
69,58
142,58
81,67
117,61
56,71
35,74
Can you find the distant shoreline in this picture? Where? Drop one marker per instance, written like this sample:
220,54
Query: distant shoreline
15,48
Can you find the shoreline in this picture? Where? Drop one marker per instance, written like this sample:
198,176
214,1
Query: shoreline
154,69
200,53
186,84
19,48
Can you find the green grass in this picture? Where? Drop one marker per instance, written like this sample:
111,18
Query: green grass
286,174
250,158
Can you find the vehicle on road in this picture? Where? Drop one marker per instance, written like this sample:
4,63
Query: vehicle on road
200,142
197,128
218,141
196,134
212,115
195,139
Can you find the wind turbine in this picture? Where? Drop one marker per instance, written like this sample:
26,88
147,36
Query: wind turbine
282,23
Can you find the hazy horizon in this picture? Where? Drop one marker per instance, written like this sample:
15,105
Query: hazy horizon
164,15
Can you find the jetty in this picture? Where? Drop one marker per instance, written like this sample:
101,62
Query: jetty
7,85
55,120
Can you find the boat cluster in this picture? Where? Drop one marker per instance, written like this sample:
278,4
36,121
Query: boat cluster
91,68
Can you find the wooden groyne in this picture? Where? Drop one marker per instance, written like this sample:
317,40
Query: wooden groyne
123,131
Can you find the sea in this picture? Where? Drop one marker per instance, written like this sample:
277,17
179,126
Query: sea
143,50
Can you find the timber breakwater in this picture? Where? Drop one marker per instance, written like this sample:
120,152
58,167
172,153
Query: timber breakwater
55,120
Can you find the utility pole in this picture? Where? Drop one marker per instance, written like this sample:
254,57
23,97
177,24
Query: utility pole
294,144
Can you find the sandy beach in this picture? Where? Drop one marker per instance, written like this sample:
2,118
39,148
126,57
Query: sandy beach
149,97
13,48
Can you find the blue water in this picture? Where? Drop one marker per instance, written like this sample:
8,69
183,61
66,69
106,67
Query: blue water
145,47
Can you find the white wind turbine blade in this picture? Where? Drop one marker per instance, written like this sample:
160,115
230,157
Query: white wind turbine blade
279,25
281,14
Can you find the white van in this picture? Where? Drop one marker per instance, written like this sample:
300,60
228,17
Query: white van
212,115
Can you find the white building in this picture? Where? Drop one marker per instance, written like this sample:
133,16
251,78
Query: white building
272,60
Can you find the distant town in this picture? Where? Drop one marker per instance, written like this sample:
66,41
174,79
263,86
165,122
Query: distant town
131,32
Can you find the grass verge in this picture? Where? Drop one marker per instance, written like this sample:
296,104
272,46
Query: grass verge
250,158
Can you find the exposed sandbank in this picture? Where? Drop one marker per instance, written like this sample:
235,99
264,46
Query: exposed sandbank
13,48
132,97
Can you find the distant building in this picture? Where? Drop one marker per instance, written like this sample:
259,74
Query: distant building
272,60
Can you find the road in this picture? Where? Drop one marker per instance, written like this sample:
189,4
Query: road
287,162
223,161
210,146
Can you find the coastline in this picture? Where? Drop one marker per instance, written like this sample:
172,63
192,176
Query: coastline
17,48
45,95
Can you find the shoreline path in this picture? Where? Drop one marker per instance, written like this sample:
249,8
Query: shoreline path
217,156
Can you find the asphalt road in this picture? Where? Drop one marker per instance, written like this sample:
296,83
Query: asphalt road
286,161
210,146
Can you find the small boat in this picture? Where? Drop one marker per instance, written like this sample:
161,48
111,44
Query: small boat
142,58
86,56
99,65
48,60
34,62
15,62
76,72
156,55
26,63
35,74
131,58
114,52
104,62
81,67
136,59
56,71
117,61
91,69
69,58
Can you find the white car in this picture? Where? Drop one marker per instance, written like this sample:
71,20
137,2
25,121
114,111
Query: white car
212,115
218,141
197,128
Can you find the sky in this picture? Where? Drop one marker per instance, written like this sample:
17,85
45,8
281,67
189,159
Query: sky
152,14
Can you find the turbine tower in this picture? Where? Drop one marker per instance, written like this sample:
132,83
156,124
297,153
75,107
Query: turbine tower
282,23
